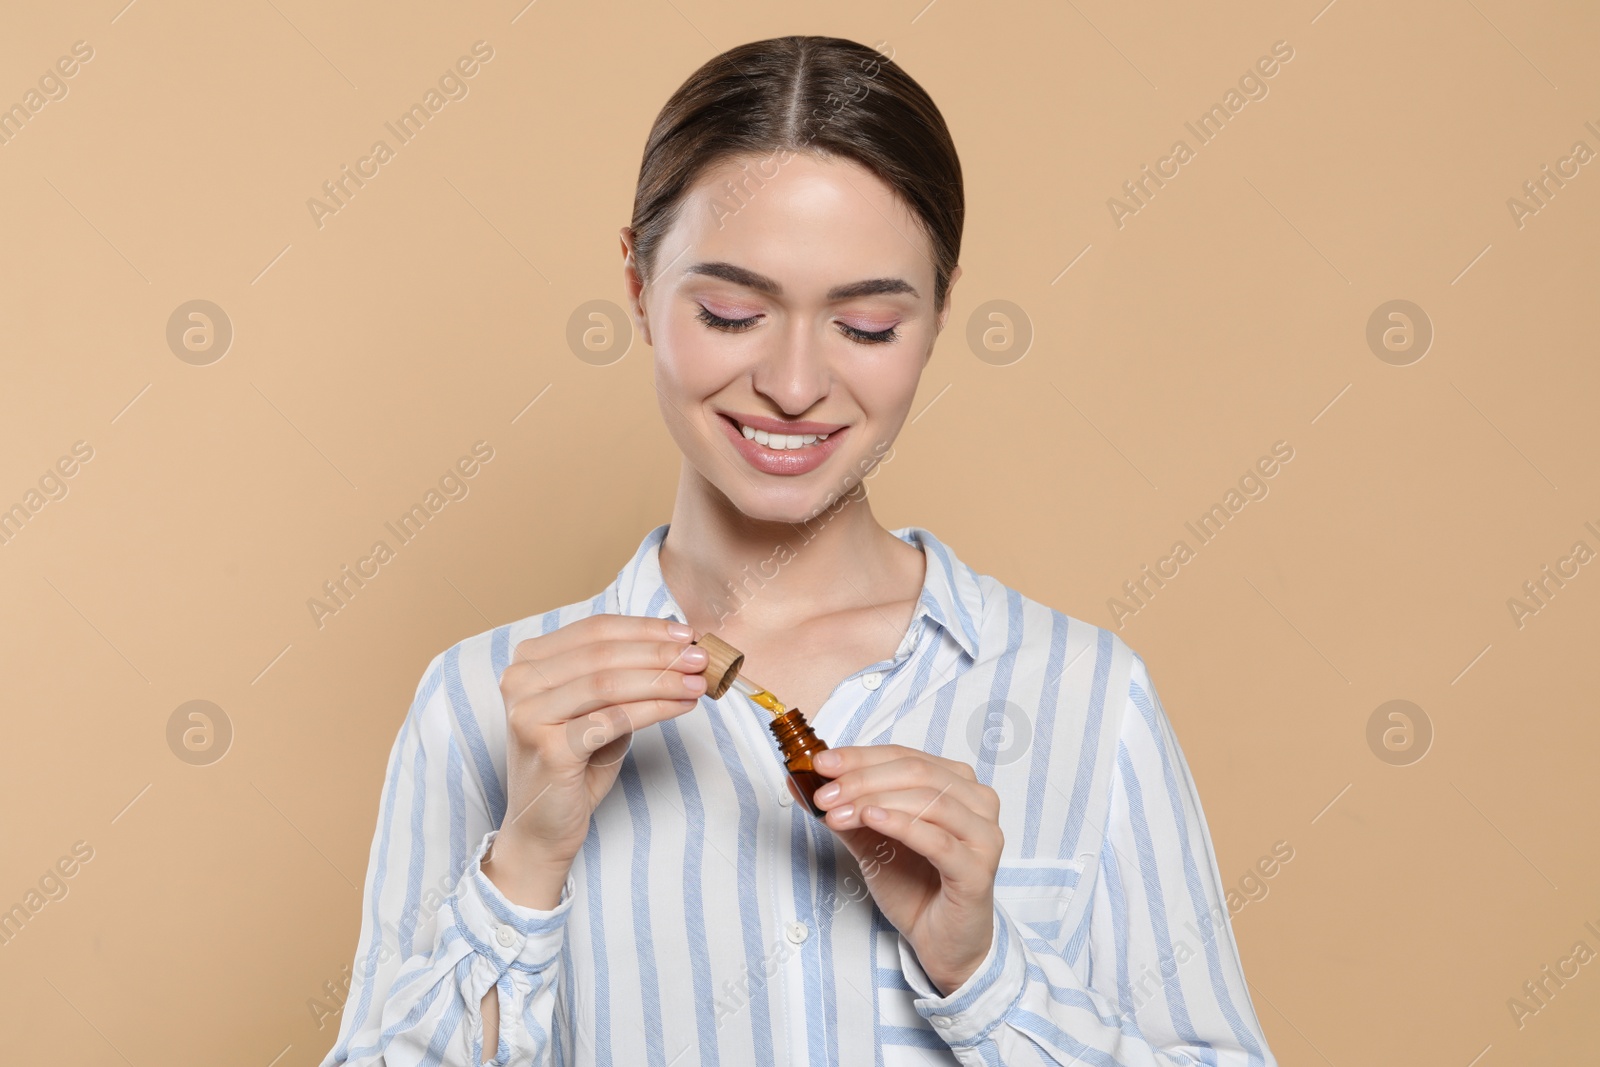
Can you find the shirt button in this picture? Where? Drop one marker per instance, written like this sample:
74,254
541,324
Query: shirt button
784,796
506,936
797,932
942,1021
872,679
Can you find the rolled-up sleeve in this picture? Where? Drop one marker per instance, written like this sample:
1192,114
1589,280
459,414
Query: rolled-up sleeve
436,935
1148,973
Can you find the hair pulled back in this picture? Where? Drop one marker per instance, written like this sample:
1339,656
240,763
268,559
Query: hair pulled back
821,95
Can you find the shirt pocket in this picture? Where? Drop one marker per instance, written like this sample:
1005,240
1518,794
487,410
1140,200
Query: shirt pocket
1037,892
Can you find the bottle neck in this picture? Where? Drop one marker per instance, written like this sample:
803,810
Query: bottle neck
794,735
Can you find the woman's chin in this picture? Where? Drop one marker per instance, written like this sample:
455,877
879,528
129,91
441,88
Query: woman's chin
792,511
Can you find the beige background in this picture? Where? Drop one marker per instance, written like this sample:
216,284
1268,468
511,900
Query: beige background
369,354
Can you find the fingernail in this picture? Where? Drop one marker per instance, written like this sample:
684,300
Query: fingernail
843,813
826,793
826,760
679,630
694,654
695,682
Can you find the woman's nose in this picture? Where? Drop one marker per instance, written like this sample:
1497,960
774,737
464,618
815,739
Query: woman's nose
794,373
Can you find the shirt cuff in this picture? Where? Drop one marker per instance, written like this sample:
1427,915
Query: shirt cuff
510,934
977,1005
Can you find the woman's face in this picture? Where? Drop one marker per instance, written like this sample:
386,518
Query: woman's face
798,306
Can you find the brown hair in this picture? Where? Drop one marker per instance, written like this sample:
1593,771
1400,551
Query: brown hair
824,95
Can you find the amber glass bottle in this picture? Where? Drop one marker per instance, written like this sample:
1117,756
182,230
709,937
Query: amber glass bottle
797,742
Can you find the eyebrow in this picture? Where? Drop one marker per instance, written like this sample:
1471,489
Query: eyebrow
763,284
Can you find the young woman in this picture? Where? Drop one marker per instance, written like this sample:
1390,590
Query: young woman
582,859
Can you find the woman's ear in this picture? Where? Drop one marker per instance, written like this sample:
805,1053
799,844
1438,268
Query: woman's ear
944,312
633,284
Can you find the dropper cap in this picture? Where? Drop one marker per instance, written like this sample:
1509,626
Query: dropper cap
722,666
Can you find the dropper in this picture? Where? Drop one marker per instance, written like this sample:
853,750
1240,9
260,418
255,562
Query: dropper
722,674
797,742
760,694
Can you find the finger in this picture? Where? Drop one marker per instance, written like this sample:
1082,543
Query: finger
604,626
956,861
589,738
591,692
909,772
938,806
869,848
604,725
547,674
855,756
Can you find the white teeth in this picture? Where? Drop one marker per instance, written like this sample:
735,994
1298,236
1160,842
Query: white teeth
780,442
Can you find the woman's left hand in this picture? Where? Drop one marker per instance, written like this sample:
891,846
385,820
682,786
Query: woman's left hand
927,835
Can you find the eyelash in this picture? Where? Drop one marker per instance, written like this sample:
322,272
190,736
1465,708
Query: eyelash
866,337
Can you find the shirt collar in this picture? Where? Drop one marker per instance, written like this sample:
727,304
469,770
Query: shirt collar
951,594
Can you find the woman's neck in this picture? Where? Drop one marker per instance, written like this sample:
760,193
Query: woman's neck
734,574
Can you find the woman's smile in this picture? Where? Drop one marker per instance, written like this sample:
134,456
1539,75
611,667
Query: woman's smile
776,446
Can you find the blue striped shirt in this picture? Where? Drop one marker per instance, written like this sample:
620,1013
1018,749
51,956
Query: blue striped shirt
708,919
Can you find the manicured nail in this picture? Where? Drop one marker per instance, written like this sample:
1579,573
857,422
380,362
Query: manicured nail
694,654
826,793
826,760
681,631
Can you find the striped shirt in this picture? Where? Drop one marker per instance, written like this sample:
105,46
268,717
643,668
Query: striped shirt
708,919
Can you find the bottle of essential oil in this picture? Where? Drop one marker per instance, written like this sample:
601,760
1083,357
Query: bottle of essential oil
796,740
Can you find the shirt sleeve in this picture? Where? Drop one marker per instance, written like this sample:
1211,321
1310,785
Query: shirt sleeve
436,934
1150,973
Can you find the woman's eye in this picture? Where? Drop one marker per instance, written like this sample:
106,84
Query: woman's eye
866,337
717,322
869,337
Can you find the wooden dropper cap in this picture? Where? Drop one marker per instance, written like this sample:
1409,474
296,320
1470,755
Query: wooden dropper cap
722,664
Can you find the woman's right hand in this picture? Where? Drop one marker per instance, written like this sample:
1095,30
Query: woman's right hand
573,698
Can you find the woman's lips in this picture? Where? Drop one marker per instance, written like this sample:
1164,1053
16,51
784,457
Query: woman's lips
788,461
